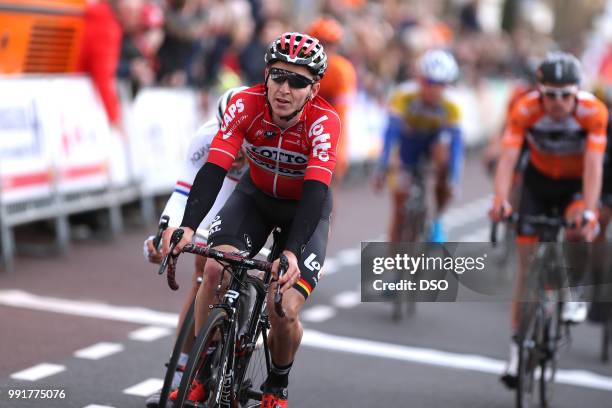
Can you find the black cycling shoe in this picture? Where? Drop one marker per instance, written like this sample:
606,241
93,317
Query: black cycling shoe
509,380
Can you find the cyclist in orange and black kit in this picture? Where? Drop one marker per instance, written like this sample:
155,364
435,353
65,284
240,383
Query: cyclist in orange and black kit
565,131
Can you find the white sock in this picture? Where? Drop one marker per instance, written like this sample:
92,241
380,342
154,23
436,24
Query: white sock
512,367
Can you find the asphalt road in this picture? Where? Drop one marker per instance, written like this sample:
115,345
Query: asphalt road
103,294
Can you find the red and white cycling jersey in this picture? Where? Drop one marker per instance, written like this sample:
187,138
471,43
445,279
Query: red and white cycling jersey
280,159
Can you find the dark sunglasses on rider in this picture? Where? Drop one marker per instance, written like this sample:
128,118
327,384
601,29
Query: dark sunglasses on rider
555,93
296,81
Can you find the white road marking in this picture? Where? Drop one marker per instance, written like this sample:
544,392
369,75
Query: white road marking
471,362
317,314
99,350
98,406
139,315
349,256
150,333
480,235
346,300
38,372
457,217
145,388
330,266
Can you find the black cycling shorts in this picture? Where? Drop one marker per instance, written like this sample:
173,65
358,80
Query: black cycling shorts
543,195
249,216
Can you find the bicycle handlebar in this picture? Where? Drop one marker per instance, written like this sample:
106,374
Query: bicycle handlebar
231,258
537,220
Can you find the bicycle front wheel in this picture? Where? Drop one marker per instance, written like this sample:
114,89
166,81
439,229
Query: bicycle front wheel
550,338
528,357
187,327
207,361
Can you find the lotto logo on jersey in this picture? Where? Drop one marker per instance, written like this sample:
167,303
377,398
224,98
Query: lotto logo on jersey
230,114
320,143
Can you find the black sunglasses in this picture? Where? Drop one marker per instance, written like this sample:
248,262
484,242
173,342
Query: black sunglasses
296,81
557,93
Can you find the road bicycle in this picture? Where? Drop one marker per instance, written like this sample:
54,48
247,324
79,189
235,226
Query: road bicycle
542,333
230,355
414,229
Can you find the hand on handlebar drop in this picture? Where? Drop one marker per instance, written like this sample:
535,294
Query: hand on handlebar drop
291,276
499,210
586,224
151,253
187,236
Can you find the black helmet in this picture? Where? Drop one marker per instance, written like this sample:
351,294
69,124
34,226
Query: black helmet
298,49
559,68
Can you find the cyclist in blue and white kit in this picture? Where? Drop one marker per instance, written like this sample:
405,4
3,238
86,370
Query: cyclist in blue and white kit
197,155
424,123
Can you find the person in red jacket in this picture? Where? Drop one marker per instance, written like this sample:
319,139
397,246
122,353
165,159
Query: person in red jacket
100,53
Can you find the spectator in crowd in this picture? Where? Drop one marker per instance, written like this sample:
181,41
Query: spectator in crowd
339,84
135,64
184,26
251,64
100,53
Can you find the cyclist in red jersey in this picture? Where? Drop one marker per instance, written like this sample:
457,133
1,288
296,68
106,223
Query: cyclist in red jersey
290,136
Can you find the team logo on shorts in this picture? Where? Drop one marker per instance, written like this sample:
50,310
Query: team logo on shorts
248,242
215,226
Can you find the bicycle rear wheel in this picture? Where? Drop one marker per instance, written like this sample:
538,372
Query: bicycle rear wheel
209,368
186,328
606,340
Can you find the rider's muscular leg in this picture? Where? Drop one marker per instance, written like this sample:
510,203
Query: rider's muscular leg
440,156
286,332
208,288
398,219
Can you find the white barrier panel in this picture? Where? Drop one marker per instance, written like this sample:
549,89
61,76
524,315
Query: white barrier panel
75,121
161,125
54,136
25,152
367,121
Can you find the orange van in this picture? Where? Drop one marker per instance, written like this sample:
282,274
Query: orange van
40,36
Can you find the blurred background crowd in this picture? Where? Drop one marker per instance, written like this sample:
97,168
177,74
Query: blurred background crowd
216,44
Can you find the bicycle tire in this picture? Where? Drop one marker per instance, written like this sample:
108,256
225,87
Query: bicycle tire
606,339
217,326
550,336
176,352
413,231
528,359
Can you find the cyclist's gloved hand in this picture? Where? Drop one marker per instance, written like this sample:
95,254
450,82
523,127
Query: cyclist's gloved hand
589,225
151,254
499,210
292,275
187,236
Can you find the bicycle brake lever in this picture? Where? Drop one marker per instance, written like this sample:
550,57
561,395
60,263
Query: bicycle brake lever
177,235
163,224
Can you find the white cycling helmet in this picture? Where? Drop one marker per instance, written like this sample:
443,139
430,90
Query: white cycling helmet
439,66
224,100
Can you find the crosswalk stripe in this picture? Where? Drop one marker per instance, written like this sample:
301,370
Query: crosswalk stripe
150,333
145,388
38,372
99,350
319,313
